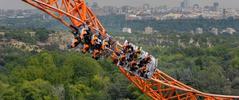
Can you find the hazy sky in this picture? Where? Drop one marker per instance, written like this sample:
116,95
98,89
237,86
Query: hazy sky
18,4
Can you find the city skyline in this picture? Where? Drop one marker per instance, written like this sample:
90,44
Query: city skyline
18,4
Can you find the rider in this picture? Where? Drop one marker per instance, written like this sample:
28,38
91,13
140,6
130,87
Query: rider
74,42
134,55
115,55
128,51
105,44
96,46
143,66
137,53
76,39
133,66
126,43
122,60
143,72
76,30
144,61
94,40
86,40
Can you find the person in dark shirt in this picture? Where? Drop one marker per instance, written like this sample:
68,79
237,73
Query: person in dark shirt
76,41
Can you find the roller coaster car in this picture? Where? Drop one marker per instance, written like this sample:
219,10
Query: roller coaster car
137,62
92,43
130,57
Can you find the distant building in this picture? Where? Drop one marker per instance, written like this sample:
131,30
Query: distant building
196,6
185,4
191,41
94,5
98,10
148,30
133,17
224,13
126,9
146,6
192,32
214,31
197,44
20,16
126,30
209,44
2,33
215,6
32,34
229,30
199,30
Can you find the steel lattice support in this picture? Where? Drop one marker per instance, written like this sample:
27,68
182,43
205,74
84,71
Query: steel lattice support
69,12
163,87
160,87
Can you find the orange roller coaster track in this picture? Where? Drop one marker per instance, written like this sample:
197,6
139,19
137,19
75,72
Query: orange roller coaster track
159,87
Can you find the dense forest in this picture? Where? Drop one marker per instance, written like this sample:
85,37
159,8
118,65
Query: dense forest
54,75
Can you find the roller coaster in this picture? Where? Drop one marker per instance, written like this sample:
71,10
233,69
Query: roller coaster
143,73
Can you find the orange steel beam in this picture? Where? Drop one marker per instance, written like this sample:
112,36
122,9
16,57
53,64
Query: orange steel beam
160,87
69,12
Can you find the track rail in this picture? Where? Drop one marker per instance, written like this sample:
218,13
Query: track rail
160,87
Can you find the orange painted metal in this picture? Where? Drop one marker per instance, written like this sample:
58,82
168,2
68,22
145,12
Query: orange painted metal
69,12
163,87
160,87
